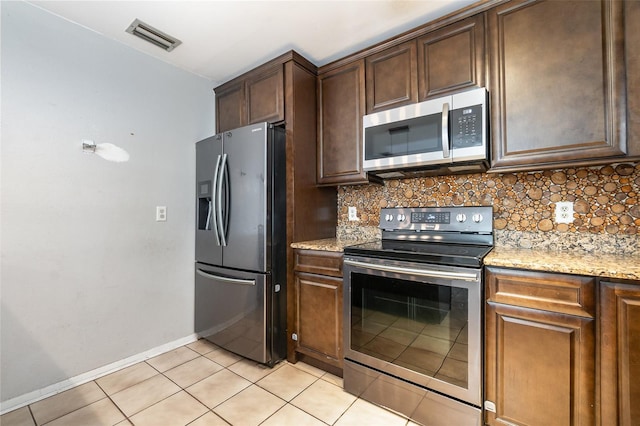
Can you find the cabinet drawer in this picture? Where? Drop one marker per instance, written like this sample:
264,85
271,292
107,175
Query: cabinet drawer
568,294
319,262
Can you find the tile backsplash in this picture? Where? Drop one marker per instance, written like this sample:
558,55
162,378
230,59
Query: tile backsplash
606,204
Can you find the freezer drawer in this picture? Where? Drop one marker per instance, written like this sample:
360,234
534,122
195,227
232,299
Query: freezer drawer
232,310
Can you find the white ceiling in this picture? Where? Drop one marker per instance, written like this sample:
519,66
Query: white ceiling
223,39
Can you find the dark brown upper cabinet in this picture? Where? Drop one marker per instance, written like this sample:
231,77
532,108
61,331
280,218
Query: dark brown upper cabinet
438,63
341,103
230,106
391,77
265,96
557,84
632,57
257,97
452,58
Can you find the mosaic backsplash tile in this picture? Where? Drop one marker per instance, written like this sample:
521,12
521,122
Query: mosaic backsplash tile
605,202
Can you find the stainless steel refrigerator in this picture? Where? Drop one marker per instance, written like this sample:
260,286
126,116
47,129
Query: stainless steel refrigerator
240,269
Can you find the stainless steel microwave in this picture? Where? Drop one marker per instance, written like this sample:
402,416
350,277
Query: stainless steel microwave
446,135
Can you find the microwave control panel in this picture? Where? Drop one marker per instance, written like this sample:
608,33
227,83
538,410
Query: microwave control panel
466,126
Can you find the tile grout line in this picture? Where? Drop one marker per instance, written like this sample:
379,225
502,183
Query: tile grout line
313,372
112,401
32,416
289,402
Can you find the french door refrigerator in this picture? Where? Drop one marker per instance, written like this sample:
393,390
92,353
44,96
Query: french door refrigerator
240,269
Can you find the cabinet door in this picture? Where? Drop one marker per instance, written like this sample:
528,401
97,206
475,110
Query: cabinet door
320,317
557,83
452,58
230,112
540,367
620,353
341,101
265,96
391,78
632,57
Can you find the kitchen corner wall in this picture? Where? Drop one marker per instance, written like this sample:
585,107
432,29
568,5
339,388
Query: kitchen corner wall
606,205
88,277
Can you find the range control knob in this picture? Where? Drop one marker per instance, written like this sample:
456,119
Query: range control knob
401,217
461,217
477,217
389,217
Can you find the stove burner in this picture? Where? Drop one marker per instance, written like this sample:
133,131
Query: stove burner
457,240
439,253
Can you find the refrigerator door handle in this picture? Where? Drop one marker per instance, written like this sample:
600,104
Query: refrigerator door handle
213,198
227,202
221,216
225,279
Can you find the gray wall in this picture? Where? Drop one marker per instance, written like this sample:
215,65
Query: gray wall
88,277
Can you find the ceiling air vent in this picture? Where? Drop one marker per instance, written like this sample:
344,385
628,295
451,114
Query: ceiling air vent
152,35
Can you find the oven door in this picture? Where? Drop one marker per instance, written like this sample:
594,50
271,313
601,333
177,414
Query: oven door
417,322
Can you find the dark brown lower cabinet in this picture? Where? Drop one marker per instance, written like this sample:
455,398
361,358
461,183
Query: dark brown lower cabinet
620,353
539,359
318,325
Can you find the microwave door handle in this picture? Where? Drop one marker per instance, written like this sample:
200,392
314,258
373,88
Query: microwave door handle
445,130
220,217
213,203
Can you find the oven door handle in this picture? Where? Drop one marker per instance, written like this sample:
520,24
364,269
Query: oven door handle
429,273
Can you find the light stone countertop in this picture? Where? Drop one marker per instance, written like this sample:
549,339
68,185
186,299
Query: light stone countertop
328,244
621,266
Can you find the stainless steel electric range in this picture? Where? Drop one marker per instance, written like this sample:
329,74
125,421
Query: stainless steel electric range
413,313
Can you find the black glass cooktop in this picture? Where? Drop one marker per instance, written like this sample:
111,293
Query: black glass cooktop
423,252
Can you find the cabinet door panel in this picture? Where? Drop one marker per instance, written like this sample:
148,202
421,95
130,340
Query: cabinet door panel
341,101
452,58
319,262
319,316
562,293
391,78
230,112
620,353
632,58
539,367
557,80
265,96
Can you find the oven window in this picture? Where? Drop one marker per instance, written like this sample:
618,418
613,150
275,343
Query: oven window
416,325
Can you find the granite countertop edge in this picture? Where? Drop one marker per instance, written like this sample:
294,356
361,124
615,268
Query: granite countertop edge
328,244
618,266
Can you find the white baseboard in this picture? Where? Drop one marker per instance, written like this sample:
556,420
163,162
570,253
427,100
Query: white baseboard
31,397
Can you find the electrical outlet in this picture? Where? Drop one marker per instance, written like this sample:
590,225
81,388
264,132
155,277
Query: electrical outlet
564,212
353,213
161,213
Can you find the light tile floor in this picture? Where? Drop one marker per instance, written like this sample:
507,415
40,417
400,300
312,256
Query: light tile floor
201,384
